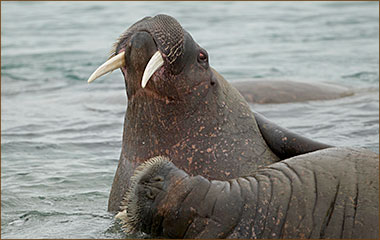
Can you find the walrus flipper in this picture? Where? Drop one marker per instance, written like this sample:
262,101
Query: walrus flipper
284,143
332,193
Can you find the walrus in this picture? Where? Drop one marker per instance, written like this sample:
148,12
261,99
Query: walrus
280,91
181,108
331,193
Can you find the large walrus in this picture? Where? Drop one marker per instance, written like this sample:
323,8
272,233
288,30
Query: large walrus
179,107
331,193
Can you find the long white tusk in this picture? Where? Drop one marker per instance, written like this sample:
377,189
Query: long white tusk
112,64
154,63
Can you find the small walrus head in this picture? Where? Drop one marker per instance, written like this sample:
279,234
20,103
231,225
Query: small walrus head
159,58
152,200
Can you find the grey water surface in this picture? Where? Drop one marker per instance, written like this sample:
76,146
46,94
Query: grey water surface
61,138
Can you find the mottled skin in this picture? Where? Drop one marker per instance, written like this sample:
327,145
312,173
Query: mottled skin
187,111
331,193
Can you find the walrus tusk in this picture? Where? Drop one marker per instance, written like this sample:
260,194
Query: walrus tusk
112,64
154,63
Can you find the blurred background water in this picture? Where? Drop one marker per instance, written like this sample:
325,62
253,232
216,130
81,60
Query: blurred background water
61,138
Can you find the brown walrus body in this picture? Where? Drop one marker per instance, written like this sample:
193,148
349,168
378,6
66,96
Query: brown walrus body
217,137
331,193
187,111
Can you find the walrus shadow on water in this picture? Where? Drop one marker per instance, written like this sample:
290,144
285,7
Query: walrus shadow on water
181,108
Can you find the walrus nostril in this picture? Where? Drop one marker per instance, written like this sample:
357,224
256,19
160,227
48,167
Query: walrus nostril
149,193
158,179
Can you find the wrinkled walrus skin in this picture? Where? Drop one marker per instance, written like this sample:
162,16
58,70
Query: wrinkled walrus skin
331,193
187,111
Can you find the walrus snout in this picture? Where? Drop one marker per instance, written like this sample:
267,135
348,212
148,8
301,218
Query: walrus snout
146,185
167,33
147,205
138,51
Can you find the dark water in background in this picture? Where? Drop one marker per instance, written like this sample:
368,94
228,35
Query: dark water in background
61,138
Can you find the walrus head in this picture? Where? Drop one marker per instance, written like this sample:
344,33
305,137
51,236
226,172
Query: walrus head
152,202
153,55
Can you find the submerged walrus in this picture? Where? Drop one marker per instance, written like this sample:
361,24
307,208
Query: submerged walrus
179,107
331,193
275,91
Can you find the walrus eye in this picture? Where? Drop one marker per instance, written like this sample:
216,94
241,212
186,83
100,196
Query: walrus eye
202,57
